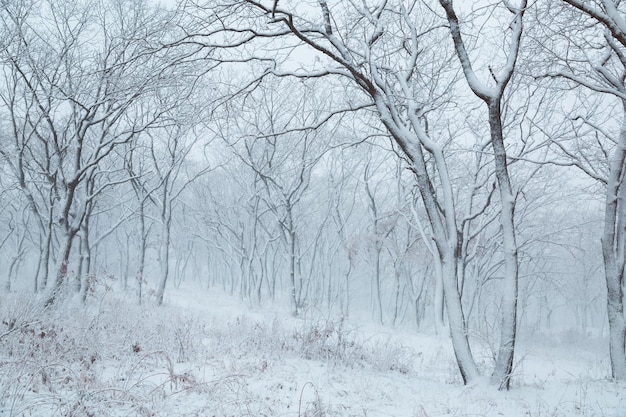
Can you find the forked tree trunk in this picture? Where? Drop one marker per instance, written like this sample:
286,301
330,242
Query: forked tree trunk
492,96
456,319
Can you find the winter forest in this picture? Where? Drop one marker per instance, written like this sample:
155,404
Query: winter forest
312,208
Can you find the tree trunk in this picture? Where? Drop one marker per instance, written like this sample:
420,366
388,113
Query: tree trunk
125,268
508,330
396,308
439,297
142,251
492,97
85,263
346,298
378,244
78,279
165,262
378,305
291,233
61,275
45,255
614,254
615,310
458,329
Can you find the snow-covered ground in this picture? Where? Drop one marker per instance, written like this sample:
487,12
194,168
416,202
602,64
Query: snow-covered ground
207,354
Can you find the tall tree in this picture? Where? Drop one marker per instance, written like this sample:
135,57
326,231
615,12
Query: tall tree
492,96
386,68
586,46
277,136
73,101
169,158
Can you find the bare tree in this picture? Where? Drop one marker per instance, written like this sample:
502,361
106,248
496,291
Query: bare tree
144,187
73,102
394,86
339,187
492,96
383,218
169,158
594,59
275,135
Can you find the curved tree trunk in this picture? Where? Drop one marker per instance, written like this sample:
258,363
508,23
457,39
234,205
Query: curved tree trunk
492,96
504,361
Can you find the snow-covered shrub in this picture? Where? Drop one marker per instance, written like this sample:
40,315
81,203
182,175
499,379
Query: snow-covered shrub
335,341
102,359
393,356
329,340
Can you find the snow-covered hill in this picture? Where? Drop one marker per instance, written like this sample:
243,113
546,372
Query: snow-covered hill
207,354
